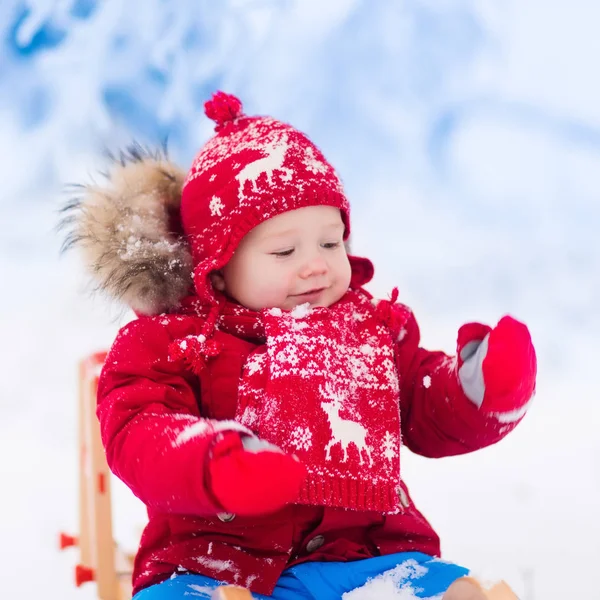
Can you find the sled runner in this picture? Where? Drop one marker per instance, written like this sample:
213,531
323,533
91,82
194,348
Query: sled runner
102,561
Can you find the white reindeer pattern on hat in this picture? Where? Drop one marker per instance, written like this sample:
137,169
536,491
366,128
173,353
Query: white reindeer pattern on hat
273,161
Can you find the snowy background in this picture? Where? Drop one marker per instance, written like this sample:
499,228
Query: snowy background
468,136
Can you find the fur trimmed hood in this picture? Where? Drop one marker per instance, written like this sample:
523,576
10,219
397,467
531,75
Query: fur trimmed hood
129,231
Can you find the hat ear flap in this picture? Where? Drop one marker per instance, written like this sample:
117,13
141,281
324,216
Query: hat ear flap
129,231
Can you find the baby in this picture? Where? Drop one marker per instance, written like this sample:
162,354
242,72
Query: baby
258,403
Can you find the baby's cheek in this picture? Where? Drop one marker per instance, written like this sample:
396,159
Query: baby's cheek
344,275
272,291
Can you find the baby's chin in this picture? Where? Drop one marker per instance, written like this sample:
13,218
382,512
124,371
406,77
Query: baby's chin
324,302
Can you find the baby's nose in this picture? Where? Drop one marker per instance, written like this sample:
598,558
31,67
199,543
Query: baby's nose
315,266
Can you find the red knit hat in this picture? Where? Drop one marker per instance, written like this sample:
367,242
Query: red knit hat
253,169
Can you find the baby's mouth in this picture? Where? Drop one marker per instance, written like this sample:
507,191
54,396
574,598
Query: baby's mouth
310,293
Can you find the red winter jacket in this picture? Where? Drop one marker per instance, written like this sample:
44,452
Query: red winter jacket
148,406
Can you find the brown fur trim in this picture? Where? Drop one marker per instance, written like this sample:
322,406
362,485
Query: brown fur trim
128,232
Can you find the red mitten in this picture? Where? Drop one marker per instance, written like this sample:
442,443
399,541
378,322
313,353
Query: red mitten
497,367
250,477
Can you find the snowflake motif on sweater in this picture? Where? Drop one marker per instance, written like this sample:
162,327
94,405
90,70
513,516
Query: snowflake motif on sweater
325,388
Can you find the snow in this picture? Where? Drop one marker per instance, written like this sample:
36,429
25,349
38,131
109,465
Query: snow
217,565
200,590
301,311
467,133
200,428
395,584
514,415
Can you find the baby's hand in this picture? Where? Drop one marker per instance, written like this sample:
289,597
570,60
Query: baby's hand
251,477
497,367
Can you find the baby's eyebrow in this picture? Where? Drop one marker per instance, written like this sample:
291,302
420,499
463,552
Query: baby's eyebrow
276,235
279,234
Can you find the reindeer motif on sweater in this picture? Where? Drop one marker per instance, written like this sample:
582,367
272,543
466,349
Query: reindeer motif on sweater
325,388
343,431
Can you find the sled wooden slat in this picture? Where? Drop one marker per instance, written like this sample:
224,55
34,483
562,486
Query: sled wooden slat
470,587
85,551
101,560
231,592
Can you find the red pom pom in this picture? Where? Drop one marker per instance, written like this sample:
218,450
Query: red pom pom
393,315
223,108
385,308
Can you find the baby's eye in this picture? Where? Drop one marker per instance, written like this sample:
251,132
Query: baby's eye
331,245
283,252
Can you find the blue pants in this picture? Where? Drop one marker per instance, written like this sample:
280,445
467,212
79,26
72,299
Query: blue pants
424,576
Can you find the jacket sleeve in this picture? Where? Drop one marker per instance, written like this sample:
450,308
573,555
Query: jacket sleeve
155,438
437,418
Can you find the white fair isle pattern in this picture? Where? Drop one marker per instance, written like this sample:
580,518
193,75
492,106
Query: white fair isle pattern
327,389
301,438
216,206
273,161
256,363
356,360
347,368
343,431
257,164
389,445
312,163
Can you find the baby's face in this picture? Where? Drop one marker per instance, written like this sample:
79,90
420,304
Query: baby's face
293,258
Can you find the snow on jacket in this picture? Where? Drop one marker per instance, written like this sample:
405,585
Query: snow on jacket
159,418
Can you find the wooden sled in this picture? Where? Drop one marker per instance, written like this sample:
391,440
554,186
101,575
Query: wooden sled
100,558
465,588
469,588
